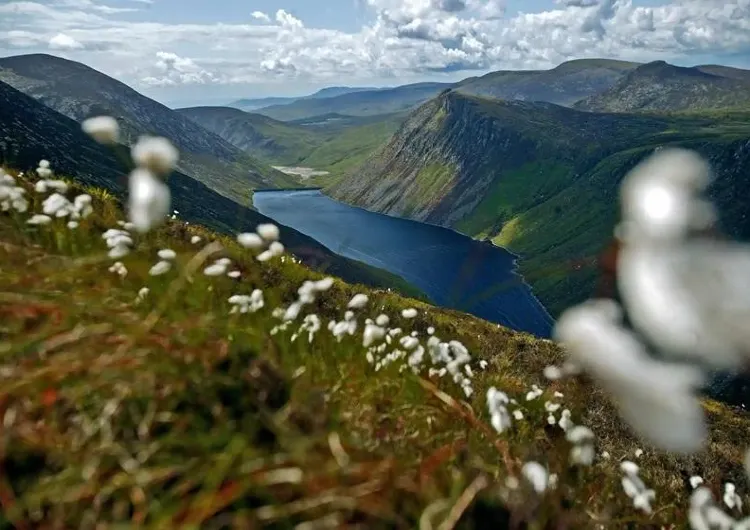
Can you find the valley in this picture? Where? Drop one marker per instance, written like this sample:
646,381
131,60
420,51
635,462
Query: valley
527,160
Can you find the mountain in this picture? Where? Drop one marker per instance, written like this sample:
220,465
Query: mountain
538,178
333,143
258,135
659,86
79,92
363,103
30,131
328,92
563,85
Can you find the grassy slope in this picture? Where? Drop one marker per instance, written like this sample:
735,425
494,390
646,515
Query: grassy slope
270,140
348,148
561,234
172,413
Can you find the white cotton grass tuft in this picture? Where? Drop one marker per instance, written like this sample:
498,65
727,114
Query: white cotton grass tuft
11,196
634,487
119,268
695,481
687,294
657,399
195,240
39,219
268,231
103,129
409,313
155,154
731,499
358,301
149,200
497,403
536,474
161,267
705,514
583,450
250,240
167,254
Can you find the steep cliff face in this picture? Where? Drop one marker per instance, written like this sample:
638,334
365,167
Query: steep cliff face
450,153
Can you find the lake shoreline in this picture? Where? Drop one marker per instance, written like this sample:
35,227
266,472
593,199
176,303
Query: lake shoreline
454,270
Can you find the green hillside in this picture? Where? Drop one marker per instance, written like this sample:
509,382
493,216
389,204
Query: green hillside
538,178
168,410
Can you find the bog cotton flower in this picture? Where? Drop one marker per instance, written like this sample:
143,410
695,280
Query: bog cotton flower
268,231
155,154
250,240
103,129
358,301
537,476
149,200
409,313
39,219
167,254
160,268
657,399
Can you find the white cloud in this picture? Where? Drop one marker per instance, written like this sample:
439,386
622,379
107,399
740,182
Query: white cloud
61,41
405,41
260,15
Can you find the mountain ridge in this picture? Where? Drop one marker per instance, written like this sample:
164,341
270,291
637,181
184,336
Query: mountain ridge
659,87
80,92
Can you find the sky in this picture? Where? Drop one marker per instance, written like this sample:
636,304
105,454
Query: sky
188,52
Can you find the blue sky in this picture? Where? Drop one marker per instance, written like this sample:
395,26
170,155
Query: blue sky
213,51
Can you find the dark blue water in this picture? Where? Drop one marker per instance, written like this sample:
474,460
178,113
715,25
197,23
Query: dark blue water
453,270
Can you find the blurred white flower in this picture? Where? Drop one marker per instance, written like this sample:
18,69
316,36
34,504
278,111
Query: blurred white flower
268,231
149,200
39,219
695,481
250,240
155,154
167,254
704,514
656,398
635,488
497,405
731,499
537,476
160,268
103,129
409,313
358,301
195,240
583,439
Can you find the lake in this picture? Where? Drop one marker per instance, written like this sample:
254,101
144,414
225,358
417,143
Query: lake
453,270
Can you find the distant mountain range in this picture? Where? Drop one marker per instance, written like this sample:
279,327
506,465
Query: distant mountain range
80,92
660,87
329,92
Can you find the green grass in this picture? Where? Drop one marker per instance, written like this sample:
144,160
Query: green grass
174,413
348,149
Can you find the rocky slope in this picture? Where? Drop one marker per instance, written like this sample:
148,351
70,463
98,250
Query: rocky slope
562,85
30,131
659,86
537,178
80,92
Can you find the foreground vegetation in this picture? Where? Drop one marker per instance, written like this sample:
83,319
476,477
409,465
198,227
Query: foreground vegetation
165,409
